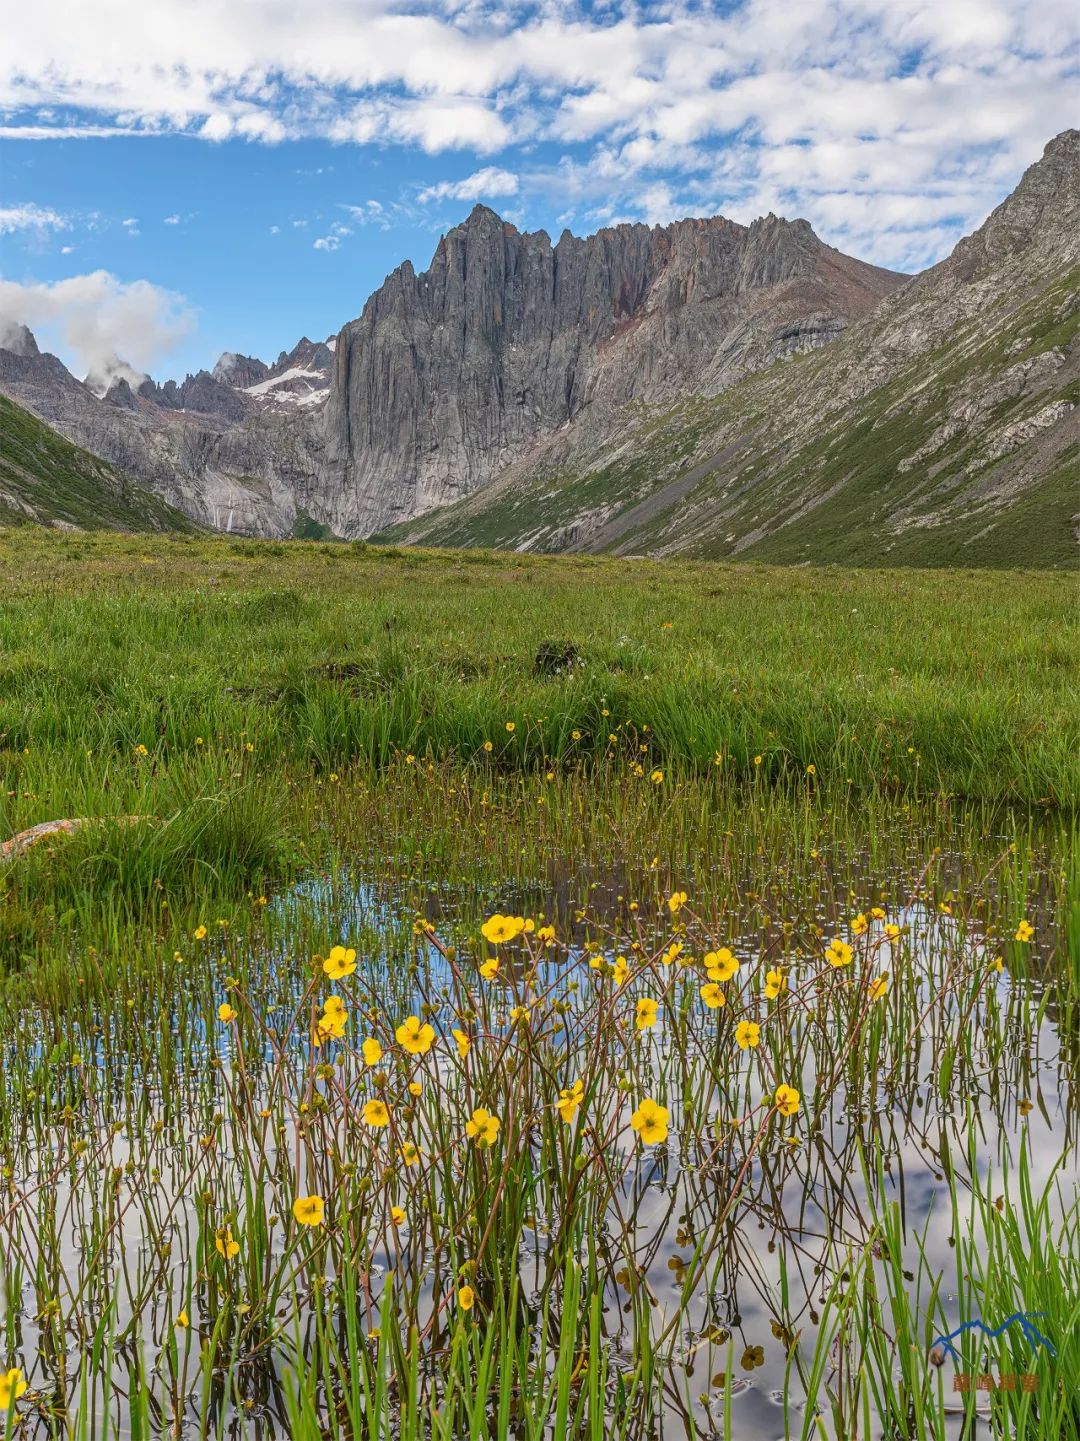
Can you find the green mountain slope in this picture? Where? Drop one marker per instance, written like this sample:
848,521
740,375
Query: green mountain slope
47,480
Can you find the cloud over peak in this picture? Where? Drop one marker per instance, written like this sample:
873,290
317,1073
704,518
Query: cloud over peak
110,327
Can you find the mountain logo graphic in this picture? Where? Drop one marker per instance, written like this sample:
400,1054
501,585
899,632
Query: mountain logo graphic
1023,1319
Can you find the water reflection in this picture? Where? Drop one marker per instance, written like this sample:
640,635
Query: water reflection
802,1217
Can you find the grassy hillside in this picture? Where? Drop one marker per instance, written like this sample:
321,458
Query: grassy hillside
46,479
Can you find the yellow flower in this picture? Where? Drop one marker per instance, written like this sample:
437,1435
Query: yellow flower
650,1121
676,901
720,965
620,970
657,777
183,1321
838,953
499,928
340,962
510,728
892,932
12,1386
483,1128
569,1101
489,745
397,1215
546,934
673,952
226,1245
787,1100
415,1088
309,1210
713,996
859,925
519,1013
226,1012
645,1015
575,735
1024,931
415,1038
775,982
199,933
410,1154
331,1024
878,988
461,1038
466,1298
371,1052
376,1115
757,760
811,770
997,964
747,1034
878,913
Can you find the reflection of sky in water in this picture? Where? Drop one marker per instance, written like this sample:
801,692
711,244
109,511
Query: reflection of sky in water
802,1207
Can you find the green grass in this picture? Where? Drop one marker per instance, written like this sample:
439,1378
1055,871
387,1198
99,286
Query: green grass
283,749
889,683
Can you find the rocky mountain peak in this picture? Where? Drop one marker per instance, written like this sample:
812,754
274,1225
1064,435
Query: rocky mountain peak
239,371
1042,211
19,340
103,375
451,374
305,355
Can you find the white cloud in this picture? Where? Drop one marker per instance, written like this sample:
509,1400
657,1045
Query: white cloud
836,109
131,226
172,220
31,217
338,231
488,183
91,320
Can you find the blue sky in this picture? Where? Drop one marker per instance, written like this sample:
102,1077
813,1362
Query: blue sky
199,175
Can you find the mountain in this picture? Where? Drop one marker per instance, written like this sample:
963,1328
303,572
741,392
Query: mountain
47,480
451,375
300,376
207,448
702,387
943,427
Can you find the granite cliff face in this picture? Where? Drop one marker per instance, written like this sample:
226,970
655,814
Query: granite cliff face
450,375
942,427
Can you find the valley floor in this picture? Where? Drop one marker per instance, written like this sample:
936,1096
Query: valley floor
504,995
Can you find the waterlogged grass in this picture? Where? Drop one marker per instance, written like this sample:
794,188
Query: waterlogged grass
205,1150
285,749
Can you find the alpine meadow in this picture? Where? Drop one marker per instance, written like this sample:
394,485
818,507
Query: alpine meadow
538,879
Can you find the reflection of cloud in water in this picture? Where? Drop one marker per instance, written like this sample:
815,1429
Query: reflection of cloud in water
804,1209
